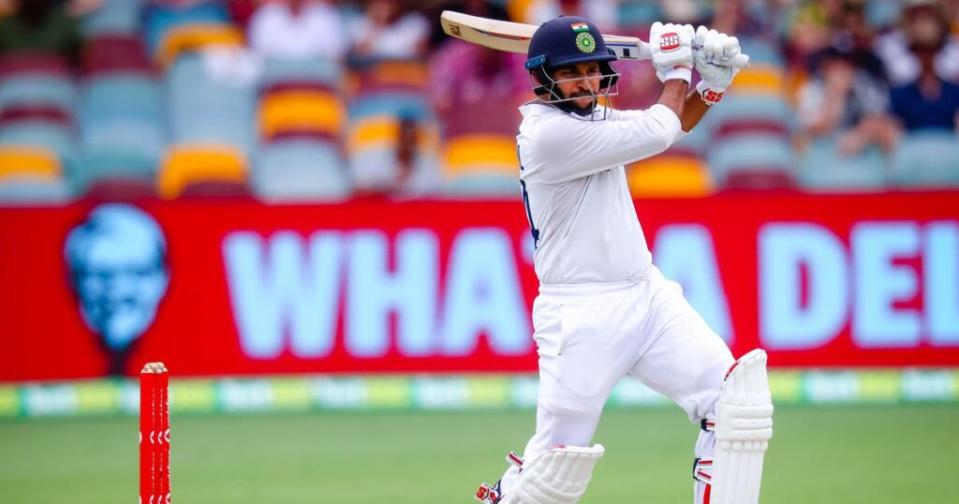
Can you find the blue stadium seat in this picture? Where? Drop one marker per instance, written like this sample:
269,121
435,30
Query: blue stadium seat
123,113
824,168
638,13
43,134
761,51
124,136
375,170
38,89
750,153
481,185
743,107
319,71
399,104
205,110
300,170
927,159
126,95
91,167
29,192
114,17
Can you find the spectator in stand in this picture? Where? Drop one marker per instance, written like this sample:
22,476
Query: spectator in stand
809,33
854,32
467,73
390,30
298,29
929,102
845,99
601,12
43,26
463,72
920,19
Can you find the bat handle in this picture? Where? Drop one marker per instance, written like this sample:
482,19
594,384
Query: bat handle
738,61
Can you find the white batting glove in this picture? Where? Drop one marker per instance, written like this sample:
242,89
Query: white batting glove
672,49
712,59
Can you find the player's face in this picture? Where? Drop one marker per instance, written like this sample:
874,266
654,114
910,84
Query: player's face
579,81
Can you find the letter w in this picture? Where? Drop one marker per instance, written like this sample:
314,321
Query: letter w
278,286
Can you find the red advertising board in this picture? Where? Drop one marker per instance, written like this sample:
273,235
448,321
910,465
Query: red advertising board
235,287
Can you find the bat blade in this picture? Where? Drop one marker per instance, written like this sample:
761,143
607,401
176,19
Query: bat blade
514,37
500,35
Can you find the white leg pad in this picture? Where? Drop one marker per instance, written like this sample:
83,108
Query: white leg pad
744,425
559,476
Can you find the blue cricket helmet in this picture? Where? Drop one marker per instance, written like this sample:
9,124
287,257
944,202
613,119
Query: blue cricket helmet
568,40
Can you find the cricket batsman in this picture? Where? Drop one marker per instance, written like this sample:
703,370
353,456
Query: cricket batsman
604,310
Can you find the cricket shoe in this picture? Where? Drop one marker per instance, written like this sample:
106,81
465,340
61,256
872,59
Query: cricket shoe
493,494
489,494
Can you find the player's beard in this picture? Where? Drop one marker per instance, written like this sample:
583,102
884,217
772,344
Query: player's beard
588,109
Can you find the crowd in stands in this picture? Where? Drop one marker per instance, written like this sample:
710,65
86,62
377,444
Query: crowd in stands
310,100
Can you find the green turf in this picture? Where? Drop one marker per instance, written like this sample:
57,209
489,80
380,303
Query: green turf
877,454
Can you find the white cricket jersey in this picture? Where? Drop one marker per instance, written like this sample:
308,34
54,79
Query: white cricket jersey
574,187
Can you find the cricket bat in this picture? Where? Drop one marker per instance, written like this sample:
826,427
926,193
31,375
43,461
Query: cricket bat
514,37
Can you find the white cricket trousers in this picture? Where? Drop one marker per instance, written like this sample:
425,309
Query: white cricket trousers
589,336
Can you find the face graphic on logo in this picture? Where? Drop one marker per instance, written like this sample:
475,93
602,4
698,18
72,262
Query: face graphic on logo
117,261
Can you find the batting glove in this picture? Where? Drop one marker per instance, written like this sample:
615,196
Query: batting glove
672,48
715,51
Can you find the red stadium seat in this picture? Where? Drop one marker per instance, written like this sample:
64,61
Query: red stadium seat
115,53
483,117
759,180
392,76
18,113
20,62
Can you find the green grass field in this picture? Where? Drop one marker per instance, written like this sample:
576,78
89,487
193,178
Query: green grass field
875,454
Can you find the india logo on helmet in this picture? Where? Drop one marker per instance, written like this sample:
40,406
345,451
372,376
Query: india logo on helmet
585,42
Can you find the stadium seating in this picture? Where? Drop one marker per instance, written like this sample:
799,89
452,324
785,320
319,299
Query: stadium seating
482,164
678,172
205,109
29,88
112,172
114,17
479,148
638,14
372,144
39,134
301,71
313,111
29,79
823,168
752,161
927,159
391,76
115,53
749,136
199,170
387,94
300,170
31,175
153,111
174,29
122,101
